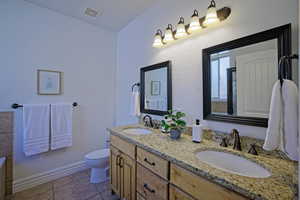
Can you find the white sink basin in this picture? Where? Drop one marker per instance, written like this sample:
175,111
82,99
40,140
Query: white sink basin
137,131
233,164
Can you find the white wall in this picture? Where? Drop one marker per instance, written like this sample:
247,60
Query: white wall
135,49
34,38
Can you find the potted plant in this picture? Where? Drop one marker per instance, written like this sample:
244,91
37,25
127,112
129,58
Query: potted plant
174,123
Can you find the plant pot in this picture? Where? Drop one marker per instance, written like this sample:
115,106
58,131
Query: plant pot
175,134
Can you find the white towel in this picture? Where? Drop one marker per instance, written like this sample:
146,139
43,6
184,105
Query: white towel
61,125
282,132
135,104
36,121
275,128
290,119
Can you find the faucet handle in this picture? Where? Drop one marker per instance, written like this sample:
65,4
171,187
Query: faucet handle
237,141
252,150
224,142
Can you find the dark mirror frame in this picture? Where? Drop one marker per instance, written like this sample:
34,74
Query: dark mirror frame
283,36
143,70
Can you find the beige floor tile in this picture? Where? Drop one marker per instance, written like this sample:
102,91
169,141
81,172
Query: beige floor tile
73,187
62,182
106,195
33,192
103,186
85,191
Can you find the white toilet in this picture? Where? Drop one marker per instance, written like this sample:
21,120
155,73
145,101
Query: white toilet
98,161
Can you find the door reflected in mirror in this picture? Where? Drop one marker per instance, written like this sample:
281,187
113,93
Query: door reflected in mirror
242,79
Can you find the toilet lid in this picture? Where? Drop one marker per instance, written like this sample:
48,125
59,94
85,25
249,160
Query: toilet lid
98,154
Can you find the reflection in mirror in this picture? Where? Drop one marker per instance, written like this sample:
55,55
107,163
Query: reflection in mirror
156,89
242,79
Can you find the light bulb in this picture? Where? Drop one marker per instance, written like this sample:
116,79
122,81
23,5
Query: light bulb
158,41
169,36
181,30
211,15
195,23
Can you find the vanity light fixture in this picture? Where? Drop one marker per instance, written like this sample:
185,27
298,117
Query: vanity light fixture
213,16
158,39
169,35
181,30
195,23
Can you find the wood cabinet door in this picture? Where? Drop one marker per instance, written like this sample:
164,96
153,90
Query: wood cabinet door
128,178
115,173
176,194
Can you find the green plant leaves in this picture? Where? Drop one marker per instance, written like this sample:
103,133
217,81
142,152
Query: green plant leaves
176,121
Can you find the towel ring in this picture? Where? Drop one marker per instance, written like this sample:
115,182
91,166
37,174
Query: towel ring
135,85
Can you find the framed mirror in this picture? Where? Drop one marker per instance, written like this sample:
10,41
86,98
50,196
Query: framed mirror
238,76
156,88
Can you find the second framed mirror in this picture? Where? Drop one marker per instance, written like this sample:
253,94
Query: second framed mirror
156,88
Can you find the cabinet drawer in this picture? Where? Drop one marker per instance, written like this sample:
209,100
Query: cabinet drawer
200,188
156,164
123,146
177,194
150,185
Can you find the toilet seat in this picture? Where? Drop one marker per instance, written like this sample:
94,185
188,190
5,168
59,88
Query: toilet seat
102,153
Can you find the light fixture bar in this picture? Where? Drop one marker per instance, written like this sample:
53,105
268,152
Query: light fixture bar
222,14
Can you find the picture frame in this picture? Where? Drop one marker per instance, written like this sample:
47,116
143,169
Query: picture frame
49,82
155,88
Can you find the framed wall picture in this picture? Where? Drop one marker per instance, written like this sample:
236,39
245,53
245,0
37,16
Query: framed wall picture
49,82
155,88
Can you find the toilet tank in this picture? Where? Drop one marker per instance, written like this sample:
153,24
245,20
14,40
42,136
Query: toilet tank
2,178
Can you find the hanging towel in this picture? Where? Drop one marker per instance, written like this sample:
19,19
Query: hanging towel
282,132
61,125
275,127
135,104
36,121
290,97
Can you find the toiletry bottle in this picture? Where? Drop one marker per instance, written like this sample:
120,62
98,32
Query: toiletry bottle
197,132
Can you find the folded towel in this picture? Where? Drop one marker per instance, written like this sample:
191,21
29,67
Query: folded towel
36,129
274,131
135,104
61,125
290,119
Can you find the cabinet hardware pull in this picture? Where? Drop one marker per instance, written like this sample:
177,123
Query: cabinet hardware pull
149,189
118,160
121,165
150,163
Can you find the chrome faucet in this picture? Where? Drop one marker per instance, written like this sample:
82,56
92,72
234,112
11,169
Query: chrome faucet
149,122
237,141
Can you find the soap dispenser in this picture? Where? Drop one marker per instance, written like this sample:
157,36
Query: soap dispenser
197,131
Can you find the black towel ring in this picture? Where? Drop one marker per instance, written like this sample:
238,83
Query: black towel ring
135,85
282,61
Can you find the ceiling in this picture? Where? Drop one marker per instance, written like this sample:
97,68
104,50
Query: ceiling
113,14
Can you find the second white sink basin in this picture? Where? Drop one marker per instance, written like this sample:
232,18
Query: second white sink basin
137,131
233,164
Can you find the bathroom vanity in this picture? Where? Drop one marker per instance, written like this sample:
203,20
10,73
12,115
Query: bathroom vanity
151,166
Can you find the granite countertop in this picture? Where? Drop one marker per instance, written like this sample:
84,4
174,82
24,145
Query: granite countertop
281,185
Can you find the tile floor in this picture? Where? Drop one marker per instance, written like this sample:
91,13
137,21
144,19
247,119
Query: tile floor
73,187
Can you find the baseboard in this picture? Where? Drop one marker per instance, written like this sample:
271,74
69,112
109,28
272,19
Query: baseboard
35,180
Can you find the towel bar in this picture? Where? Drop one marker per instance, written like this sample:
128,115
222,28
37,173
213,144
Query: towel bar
15,105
